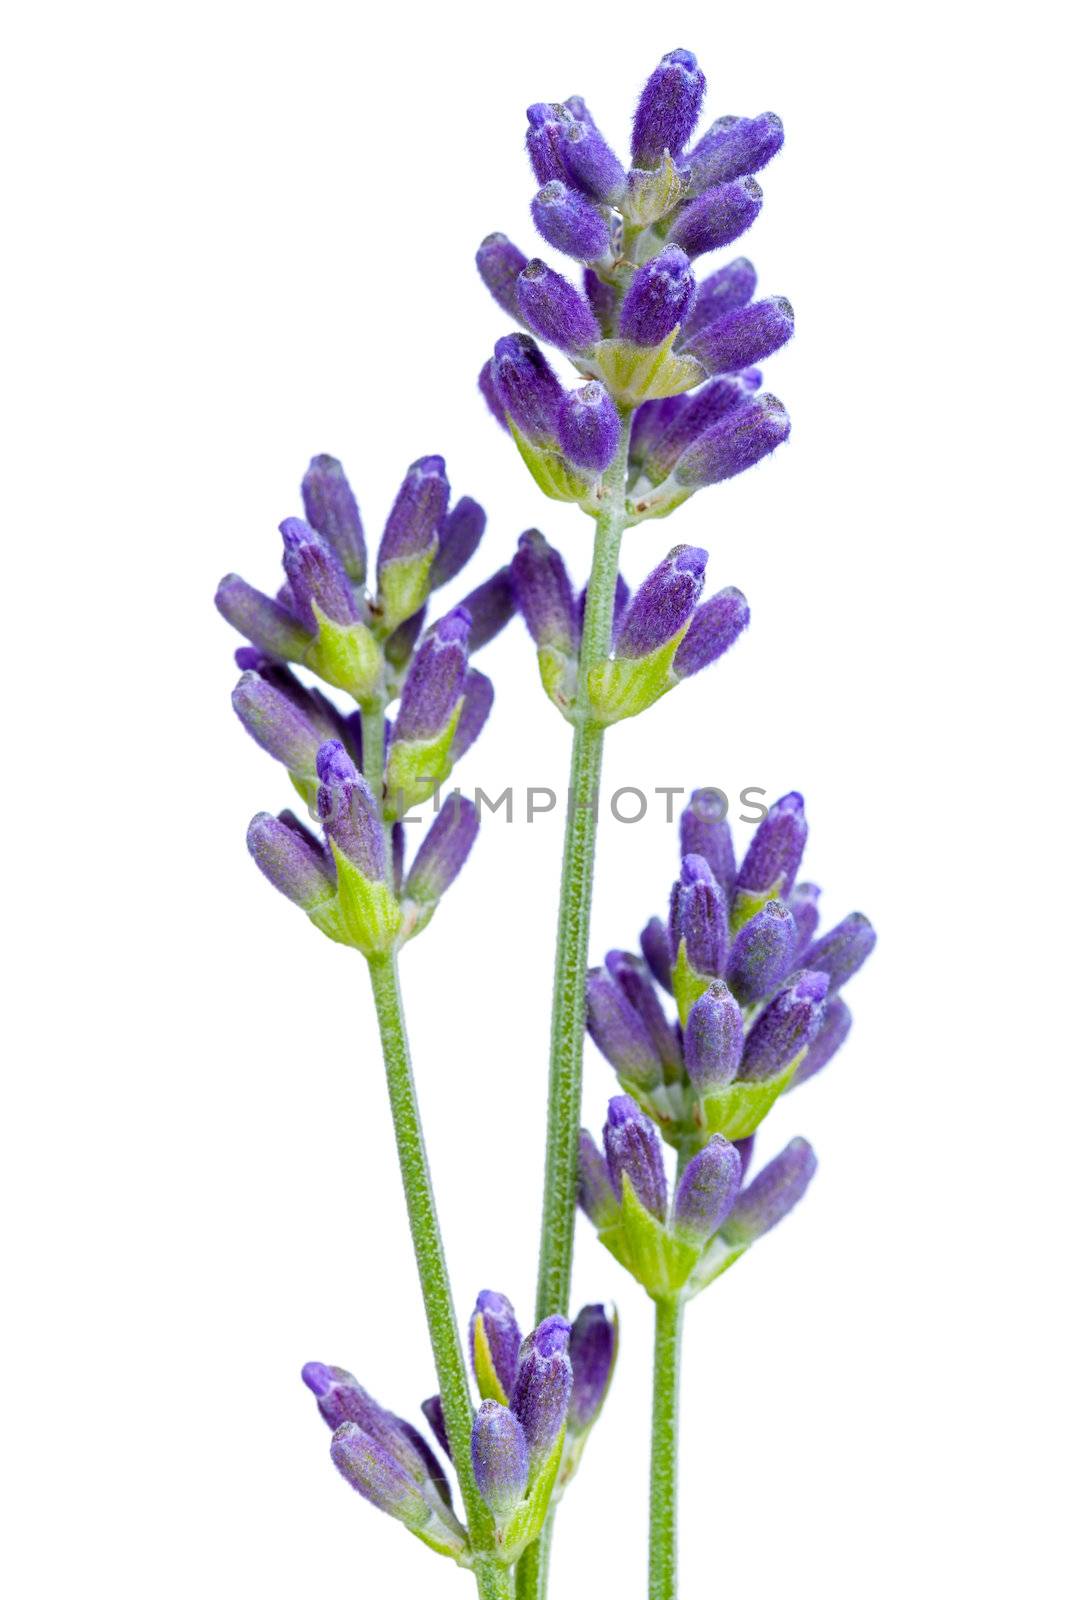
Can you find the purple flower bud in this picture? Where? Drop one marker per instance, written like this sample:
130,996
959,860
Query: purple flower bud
491,607
743,437
435,680
570,222
501,1458
544,138
635,982
477,704
762,952
596,1197
619,1031
499,263
622,600
842,952
601,297
773,858
707,1190
632,1147
589,163
786,1026
544,594
594,1341
836,1024
417,510
434,1470
744,1148
403,639
495,1314
459,536
490,396
668,110
371,1469
588,426
287,857
743,337
650,423
664,603
716,625
348,813
772,1194
316,576
656,949
658,297
277,724
705,832
733,147
529,390
543,1386
555,309
342,1400
804,904
720,293
270,626
434,1412
700,916
330,507
717,218
704,409
443,851
714,1038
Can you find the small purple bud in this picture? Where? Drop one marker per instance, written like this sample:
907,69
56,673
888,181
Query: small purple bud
622,600
278,725
589,163
707,1190
434,1412
744,1148
656,949
499,263
543,1386
668,110
619,1031
594,1342
270,626
664,603
370,1467
705,832
704,409
786,1026
602,299
762,952
443,851
596,1197
458,538
330,507
743,437
743,337
700,915
477,704
435,679
348,813
588,426
635,982
342,1400
716,625
714,1038
544,594
555,309
804,904
842,952
719,217
658,297
772,1194
500,1456
316,576
417,510
836,1024
772,860
632,1147
544,138
403,639
501,1328
491,607
490,396
286,856
529,390
570,222
720,293
650,423
734,147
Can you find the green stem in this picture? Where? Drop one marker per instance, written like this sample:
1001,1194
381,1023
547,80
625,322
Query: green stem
572,952
430,1258
663,1489
495,1582
372,733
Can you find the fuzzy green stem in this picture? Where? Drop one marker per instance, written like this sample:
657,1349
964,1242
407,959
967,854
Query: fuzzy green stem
495,1582
663,1487
372,733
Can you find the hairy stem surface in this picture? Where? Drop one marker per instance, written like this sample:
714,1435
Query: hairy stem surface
663,1489
372,734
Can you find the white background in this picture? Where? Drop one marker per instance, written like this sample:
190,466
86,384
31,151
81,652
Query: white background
239,235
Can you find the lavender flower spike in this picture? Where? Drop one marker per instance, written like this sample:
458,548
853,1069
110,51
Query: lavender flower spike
570,222
714,1038
739,441
717,218
317,580
330,507
772,1194
589,427
745,337
594,1346
620,1032
443,851
668,109
543,1386
707,1190
836,1025
596,1197
528,389
348,813
786,1026
773,858
494,1337
762,952
664,603
716,625
658,297
842,952
501,1458
632,1149
435,680
285,855
499,263
555,309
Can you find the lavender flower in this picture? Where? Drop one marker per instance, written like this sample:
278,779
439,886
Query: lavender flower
786,1026
668,109
593,1347
635,983
717,218
590,164
379,1478
490,607
330,507
317,580
435,681
270,626
588,427
734,147
348,812
762,952
477,703
664,602
596,1196
632,1149
286,856
528,389
570,222
699,917
658,297
707,1190
721,292
841,952
544,594
411,528
554,308
494,1325
656,949
499,264
834,1030
716,625
702,411
443,851
280,723
773,858
743,337
714,1038
620,1032
743,437
501,1458
804,904
704,831
772,1194
459,536
543,1386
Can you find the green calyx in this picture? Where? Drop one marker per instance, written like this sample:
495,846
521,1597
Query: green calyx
403,587
417,767
650,195
522,1526
633,373
369,911
668,1264
627,685
348,656
552,472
